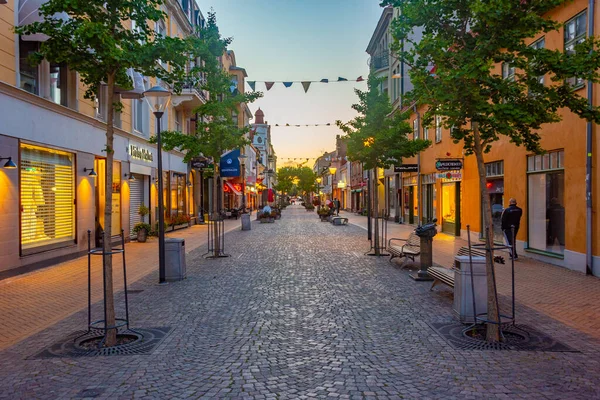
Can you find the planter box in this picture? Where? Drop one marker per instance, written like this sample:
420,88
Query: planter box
180,226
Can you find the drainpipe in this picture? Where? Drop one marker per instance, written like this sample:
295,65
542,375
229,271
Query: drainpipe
588,164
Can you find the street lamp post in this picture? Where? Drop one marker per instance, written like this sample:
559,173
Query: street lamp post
158,99
242,158
319,180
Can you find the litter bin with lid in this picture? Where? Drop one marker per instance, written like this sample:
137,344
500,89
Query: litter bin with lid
246,224
174,259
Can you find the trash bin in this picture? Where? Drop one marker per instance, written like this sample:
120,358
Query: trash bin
174,259
246,224
463,299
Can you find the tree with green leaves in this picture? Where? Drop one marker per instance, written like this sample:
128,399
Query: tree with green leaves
285,179
377,137
97,42
306,181
216,130
466,41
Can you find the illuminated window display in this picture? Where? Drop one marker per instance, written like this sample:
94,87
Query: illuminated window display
47,198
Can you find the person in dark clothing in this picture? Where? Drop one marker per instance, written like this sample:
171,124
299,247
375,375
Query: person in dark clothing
511,216
336,204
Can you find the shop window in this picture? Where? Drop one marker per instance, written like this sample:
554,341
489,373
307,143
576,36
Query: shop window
47,199
100,166
28,72
178,188
546,194
575,33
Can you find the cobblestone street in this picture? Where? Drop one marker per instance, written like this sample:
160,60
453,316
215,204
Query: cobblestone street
298,311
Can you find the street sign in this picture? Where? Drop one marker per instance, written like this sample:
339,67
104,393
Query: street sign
198,164
407,168
448,164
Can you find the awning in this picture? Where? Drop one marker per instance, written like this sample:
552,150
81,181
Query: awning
137,81
232,188
29,13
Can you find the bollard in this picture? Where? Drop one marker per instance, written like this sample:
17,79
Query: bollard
425,233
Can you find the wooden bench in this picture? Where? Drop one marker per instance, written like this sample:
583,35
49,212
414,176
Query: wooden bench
339,221
446,275
410,249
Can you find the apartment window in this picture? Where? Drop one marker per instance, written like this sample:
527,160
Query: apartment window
508,71
101,100
178,121
47,199
138,115
234,118
575,33
425,133
58,83
539,44
161,30
494,169
416,129
438,129
29,73
546,199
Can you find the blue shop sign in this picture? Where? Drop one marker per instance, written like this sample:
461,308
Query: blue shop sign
230,164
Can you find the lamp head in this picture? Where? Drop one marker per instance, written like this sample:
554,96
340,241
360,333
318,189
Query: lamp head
332,170
319,180
92,172
130,177
9,164
158,98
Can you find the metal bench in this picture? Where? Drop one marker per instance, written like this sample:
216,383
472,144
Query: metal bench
410,249
339,221
446,275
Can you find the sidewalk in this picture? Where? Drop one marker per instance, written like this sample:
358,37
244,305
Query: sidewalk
32,302
564,295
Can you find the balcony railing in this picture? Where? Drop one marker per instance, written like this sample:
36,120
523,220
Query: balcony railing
196,87
380,59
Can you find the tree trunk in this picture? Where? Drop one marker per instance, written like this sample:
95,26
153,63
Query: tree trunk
375,206
493,330
111,337
215,212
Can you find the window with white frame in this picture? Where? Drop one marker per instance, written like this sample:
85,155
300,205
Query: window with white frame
425,133
178,121
438,129
101,100
416,129
539,44
138,115
575,33
508,71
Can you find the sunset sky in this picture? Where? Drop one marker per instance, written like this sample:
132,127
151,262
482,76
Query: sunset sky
295,40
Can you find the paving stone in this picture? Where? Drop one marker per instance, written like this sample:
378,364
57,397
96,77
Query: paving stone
298,312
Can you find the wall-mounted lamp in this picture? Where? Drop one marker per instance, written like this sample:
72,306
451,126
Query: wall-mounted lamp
130,177
9,164
92,172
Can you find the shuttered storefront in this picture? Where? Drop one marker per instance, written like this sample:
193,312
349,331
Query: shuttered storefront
47,199
136,199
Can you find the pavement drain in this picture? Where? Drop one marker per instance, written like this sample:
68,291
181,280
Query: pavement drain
147,339
518,338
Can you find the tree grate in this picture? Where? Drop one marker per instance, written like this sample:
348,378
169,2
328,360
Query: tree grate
517,338
146,340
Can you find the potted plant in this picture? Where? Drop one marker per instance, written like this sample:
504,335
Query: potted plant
324,213
141,229
309,207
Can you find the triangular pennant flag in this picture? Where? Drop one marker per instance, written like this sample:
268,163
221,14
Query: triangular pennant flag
276,124
340,79
269,85
359,79
328,124
287,124
287,84
324,80
252,85
306,85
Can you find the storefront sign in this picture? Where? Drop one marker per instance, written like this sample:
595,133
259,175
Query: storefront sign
140,153
407,168
230,164
450,175
197,163
448,164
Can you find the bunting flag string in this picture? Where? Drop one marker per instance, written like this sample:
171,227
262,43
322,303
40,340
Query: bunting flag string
305,84
300,125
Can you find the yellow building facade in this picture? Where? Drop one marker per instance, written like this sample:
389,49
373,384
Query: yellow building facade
56,137
550,188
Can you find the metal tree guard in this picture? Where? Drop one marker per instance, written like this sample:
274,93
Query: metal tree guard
218,237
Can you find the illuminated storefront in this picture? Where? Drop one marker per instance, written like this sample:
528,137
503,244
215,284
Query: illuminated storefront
47,199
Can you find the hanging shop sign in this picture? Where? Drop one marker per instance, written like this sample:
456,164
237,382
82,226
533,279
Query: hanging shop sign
407,168
452,175
197,163
448,164
140,153
230,164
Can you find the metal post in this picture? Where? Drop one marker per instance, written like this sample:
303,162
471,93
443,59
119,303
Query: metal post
89,280
369,236
161,211
588,163
125,278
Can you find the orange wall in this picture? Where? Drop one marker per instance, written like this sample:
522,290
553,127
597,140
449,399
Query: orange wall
7,43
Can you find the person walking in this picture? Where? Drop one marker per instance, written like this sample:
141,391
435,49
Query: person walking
511,217
336,204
